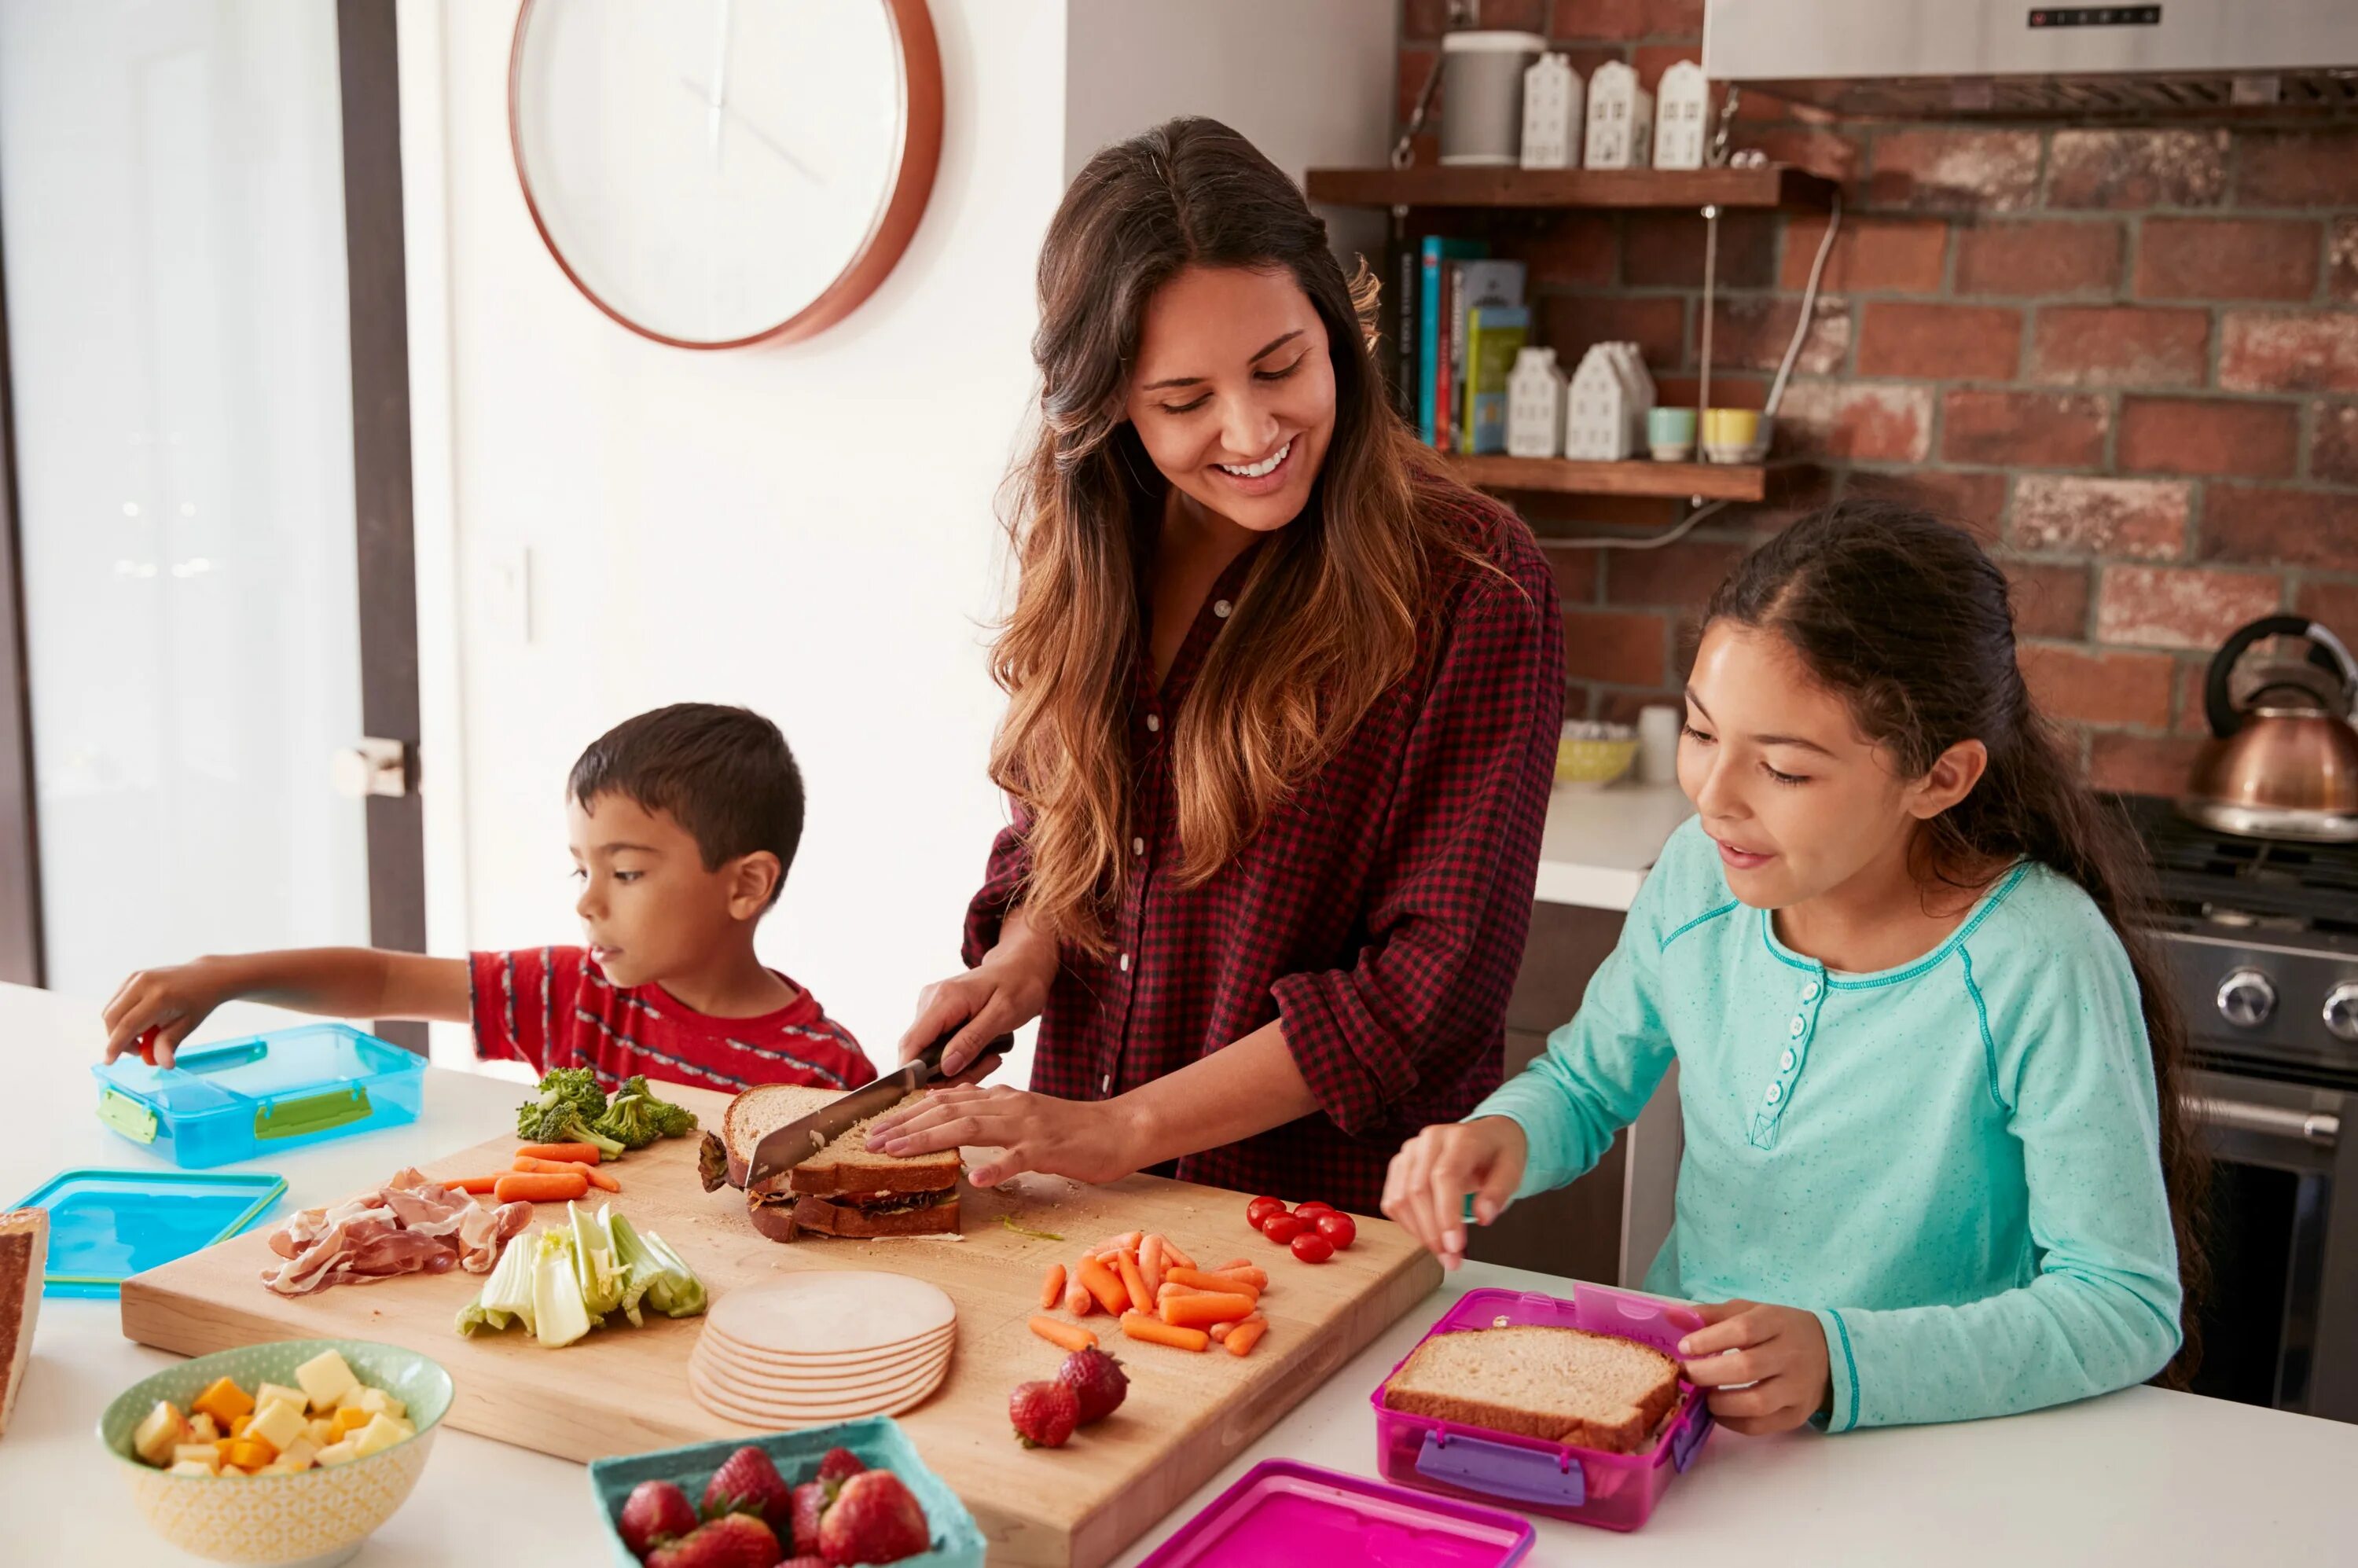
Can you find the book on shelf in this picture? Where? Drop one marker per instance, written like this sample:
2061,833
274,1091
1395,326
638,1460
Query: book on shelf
1432,256
1495,334
1473,285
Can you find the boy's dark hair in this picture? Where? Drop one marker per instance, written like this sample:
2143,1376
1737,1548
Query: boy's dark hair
1905,619
722,773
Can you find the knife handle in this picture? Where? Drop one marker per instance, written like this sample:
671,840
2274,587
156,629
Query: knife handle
930,1058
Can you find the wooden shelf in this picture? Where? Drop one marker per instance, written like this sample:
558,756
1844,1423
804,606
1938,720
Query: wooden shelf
1708,482
1770,185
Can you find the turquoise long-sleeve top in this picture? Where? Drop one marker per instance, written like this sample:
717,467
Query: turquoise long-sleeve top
1954,1163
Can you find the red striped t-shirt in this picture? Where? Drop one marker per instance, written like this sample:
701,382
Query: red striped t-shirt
552,1007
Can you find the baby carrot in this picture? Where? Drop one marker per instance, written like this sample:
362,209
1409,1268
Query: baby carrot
1234,1284
1125,1242
594,1177
1256,1278
1200,1310
1246,1334
473,1183
1072,1336
1219,1331
1106,1285
1227,1268
1150,1263
538,1186
1155,1331
1172,1254
588,1153
1077,1300
1135,1282
1051,1287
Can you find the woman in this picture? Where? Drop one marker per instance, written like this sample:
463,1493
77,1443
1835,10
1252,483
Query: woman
1282,708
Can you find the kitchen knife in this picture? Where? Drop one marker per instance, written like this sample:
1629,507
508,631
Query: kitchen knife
783,1147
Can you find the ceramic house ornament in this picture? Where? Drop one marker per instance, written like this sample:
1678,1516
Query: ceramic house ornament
1681,115
1552,117
1597,409
1630,364
1620,119
1534,405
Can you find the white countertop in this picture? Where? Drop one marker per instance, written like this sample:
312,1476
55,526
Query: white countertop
2143,1476
1600,843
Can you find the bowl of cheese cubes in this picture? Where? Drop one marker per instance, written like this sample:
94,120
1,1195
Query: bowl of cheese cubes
289,1453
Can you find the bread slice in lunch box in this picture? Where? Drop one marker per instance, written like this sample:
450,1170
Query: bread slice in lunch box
24,1248
1559,1385
845,1189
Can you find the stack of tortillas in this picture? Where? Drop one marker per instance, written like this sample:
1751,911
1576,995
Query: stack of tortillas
823,1346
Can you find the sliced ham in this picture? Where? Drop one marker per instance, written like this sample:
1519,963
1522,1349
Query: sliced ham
409,1226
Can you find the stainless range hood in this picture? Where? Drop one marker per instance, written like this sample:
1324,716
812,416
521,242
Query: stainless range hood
2012,58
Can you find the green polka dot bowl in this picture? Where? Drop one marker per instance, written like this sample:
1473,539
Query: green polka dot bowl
311,1519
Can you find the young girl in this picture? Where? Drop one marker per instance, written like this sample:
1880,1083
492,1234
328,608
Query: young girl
1927,1070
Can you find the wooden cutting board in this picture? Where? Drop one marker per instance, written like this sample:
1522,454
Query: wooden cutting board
624,1389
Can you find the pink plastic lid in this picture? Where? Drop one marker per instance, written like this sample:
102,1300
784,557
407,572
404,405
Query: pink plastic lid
1282,1514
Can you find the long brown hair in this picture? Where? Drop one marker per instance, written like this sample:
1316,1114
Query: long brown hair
1909,622
1328,616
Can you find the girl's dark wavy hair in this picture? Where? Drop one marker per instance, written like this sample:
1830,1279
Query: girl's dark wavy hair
1908,620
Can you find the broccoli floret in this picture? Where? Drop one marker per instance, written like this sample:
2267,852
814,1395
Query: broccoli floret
637,1119
568,1102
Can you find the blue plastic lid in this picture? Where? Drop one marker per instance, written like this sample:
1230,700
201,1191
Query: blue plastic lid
106,1226
308,1060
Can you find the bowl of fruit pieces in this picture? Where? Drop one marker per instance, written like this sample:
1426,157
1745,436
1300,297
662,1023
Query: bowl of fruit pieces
289,1453
820,1498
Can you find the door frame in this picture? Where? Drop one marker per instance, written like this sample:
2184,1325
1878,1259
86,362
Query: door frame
377,315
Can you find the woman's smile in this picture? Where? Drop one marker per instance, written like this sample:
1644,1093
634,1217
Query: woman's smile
1270,473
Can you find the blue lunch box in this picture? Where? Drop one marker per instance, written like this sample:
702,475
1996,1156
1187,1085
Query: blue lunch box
243,1098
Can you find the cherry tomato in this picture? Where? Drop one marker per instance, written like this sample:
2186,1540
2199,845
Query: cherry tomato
1284,1227
1261,1209
1338,1230
146,1043
1314,1206
1312,1248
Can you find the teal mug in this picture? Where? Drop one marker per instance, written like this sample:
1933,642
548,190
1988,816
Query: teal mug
1670,434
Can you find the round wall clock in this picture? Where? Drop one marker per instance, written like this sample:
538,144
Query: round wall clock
726,172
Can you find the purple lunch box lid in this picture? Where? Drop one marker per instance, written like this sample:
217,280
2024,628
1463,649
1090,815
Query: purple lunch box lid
1596,1309
1285,1514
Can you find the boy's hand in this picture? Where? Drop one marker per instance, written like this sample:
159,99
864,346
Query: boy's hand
1007,990
171,1001
1426,1188
1766,1366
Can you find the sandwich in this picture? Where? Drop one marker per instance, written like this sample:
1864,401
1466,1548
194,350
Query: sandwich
845,1189
1558,1385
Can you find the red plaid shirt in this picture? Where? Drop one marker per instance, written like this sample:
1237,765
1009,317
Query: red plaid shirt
1379,913
553,1007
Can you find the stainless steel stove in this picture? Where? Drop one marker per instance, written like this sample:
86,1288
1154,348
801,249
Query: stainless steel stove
2263,936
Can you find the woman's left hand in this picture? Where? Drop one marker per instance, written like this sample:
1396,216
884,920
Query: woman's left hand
1089,1140
1779,1352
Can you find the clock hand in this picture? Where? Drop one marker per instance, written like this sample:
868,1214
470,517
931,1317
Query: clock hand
719,98
759,134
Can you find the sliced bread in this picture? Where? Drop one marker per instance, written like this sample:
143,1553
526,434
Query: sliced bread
1559,1385
24,1254
844,1166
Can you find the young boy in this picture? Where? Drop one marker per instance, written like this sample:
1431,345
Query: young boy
682,823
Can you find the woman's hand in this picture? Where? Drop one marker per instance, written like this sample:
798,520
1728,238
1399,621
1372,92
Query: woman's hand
1005,992
1777,1355
1089,1140
171,1001
1431,1177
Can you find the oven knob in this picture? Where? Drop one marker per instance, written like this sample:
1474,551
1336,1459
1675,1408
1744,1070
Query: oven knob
2342,1011
2246,998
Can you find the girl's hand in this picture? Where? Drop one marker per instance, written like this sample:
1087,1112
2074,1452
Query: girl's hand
1005,992
171,1001
1088,1141
1425,1189
1777,1353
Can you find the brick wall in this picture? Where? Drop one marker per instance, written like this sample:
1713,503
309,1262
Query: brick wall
2127,357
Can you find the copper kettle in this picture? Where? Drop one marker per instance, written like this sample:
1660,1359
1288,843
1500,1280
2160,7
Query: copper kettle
2283,760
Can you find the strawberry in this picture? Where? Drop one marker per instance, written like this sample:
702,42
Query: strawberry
810,1503
732,1541
1043,1413
748,1483
839,1465
655,1513
876,1518
1097,1382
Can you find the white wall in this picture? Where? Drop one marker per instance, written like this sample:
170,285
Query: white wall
806,530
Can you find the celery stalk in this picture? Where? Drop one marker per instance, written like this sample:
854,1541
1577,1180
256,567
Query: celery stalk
562,1316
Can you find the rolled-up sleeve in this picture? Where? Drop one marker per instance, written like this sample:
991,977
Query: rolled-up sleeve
1450,905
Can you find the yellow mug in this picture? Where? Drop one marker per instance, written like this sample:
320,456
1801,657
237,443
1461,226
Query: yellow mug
1738,427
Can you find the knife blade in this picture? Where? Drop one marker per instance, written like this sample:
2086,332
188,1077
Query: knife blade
784,1147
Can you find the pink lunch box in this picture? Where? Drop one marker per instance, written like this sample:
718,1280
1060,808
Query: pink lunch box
1586,1485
